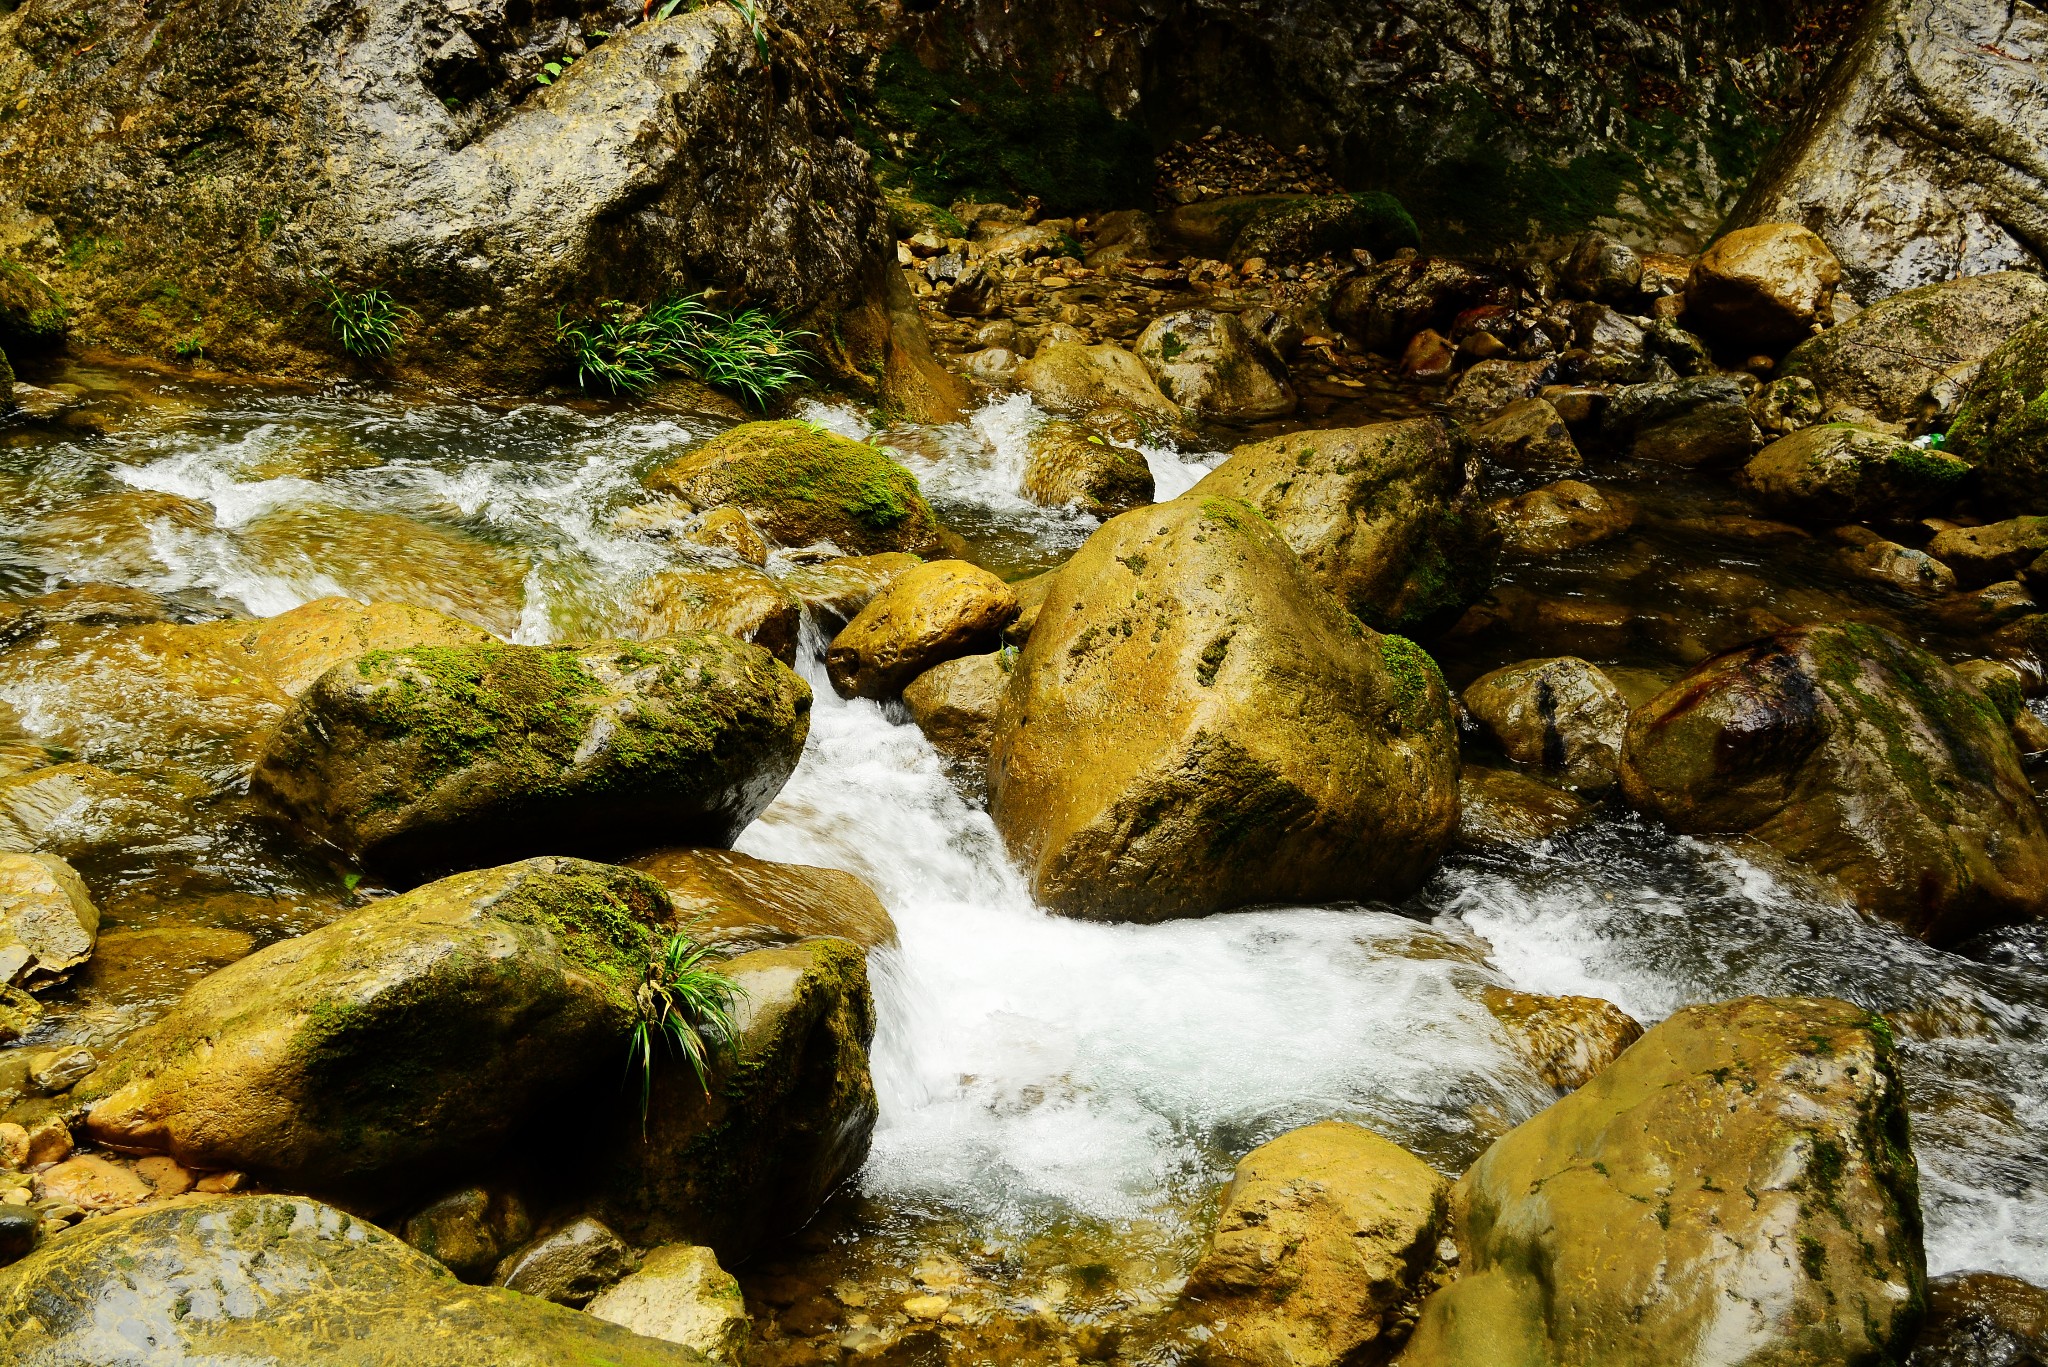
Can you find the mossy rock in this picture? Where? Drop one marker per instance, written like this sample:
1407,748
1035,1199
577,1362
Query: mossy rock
1194,724
373,1055
422,761
33,317
1838,472
1739,1177
281,1281
1860,757
735,600
800,485
1072,466
1387,517
2002,426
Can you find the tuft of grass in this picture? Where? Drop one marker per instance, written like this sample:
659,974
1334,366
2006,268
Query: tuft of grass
189,348
625,350
368,323
687,1005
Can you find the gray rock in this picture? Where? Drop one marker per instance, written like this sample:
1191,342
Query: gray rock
1208,363
1602,268
1683,422
569,1265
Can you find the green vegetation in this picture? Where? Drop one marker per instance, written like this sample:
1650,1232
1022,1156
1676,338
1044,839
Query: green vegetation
1413,676
687,1004
190,347
625,350
368,323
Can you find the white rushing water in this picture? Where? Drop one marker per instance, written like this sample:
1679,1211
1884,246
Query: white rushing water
1031,1068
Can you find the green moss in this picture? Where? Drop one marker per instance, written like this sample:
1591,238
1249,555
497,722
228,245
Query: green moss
602,921
2002,425
1414,681
456,702
1931,468
802,471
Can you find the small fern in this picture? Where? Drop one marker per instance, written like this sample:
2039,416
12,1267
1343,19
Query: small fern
368,323
687,1005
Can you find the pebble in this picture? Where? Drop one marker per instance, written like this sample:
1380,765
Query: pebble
13,1146
48,1142
925,1307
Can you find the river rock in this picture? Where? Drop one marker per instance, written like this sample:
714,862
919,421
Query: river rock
1884,359
1502,809
419,761
734,600
380,1049
1996,551
48,922
736,898
1683,422
1898,567
1861,757
1386,304
1387,517
954,704
1566,516
1071,466
69,807
834,590
568,1265
681,1295
1210,365
925,617
1075,378
280,1281
1325,1235
800,485
1483,391
1784,406
2000,427
754,1158
1561,715
1566,1039
1837,472
1527,435
92,1184
1602,268
1736,1187
1614,345
1762,288
470,1231
19,1014
294,648
1982,1319
1195,725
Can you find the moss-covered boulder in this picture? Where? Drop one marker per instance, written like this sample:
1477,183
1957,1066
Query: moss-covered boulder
1077,379
736,898
1325,1235
800,485
1884,359
2002,425
294,648
734,600
1993,552
1837,472
1736,1188
1210,364
926,616
422,761
1071,466
1195,724
1860,757
374,1053
1387,517
781,1126
281,1281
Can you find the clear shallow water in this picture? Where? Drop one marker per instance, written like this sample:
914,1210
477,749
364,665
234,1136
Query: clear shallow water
1034,1072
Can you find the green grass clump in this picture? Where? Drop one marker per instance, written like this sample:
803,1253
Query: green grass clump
367,323
625,350
688,1005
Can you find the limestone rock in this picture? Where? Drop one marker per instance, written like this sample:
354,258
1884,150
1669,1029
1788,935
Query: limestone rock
379,1049
1386,517
681,1295
419,761
740,899
1071,466
2001,427
19,1014
1195,725
838,588
734,600
1736,1188
280,1281
1762,288
1501,809
1075,378
926,616
1211,366
1683,422
1861,757
1566,516
568,1265
1884,359
48,922
800,485
1614,345
1527,435
470,1231
1325,1235
1996,551
1567,1039
1560,715
1837,472
955,704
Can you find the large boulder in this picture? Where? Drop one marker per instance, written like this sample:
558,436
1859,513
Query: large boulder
729,896
1736,1188
422,157
1386,517
280,1281
1194,724
1211,366
421,761
1837,472
374,1053
2002,425
1861,757
801,485
1562,716
926,616
1324,1237
1762,288
955,704
1909,161
1885,358
294,648
1070,465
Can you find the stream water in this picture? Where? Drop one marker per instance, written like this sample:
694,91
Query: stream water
1059,1098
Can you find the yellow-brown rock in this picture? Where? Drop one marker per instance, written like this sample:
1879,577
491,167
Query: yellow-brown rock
737,600
1564,516
838,588
1071,466
954,704
294,648
1566,1039
47,919
926,616
1561,715
1075,378
1500,808
737,897
1195,725
1762,288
